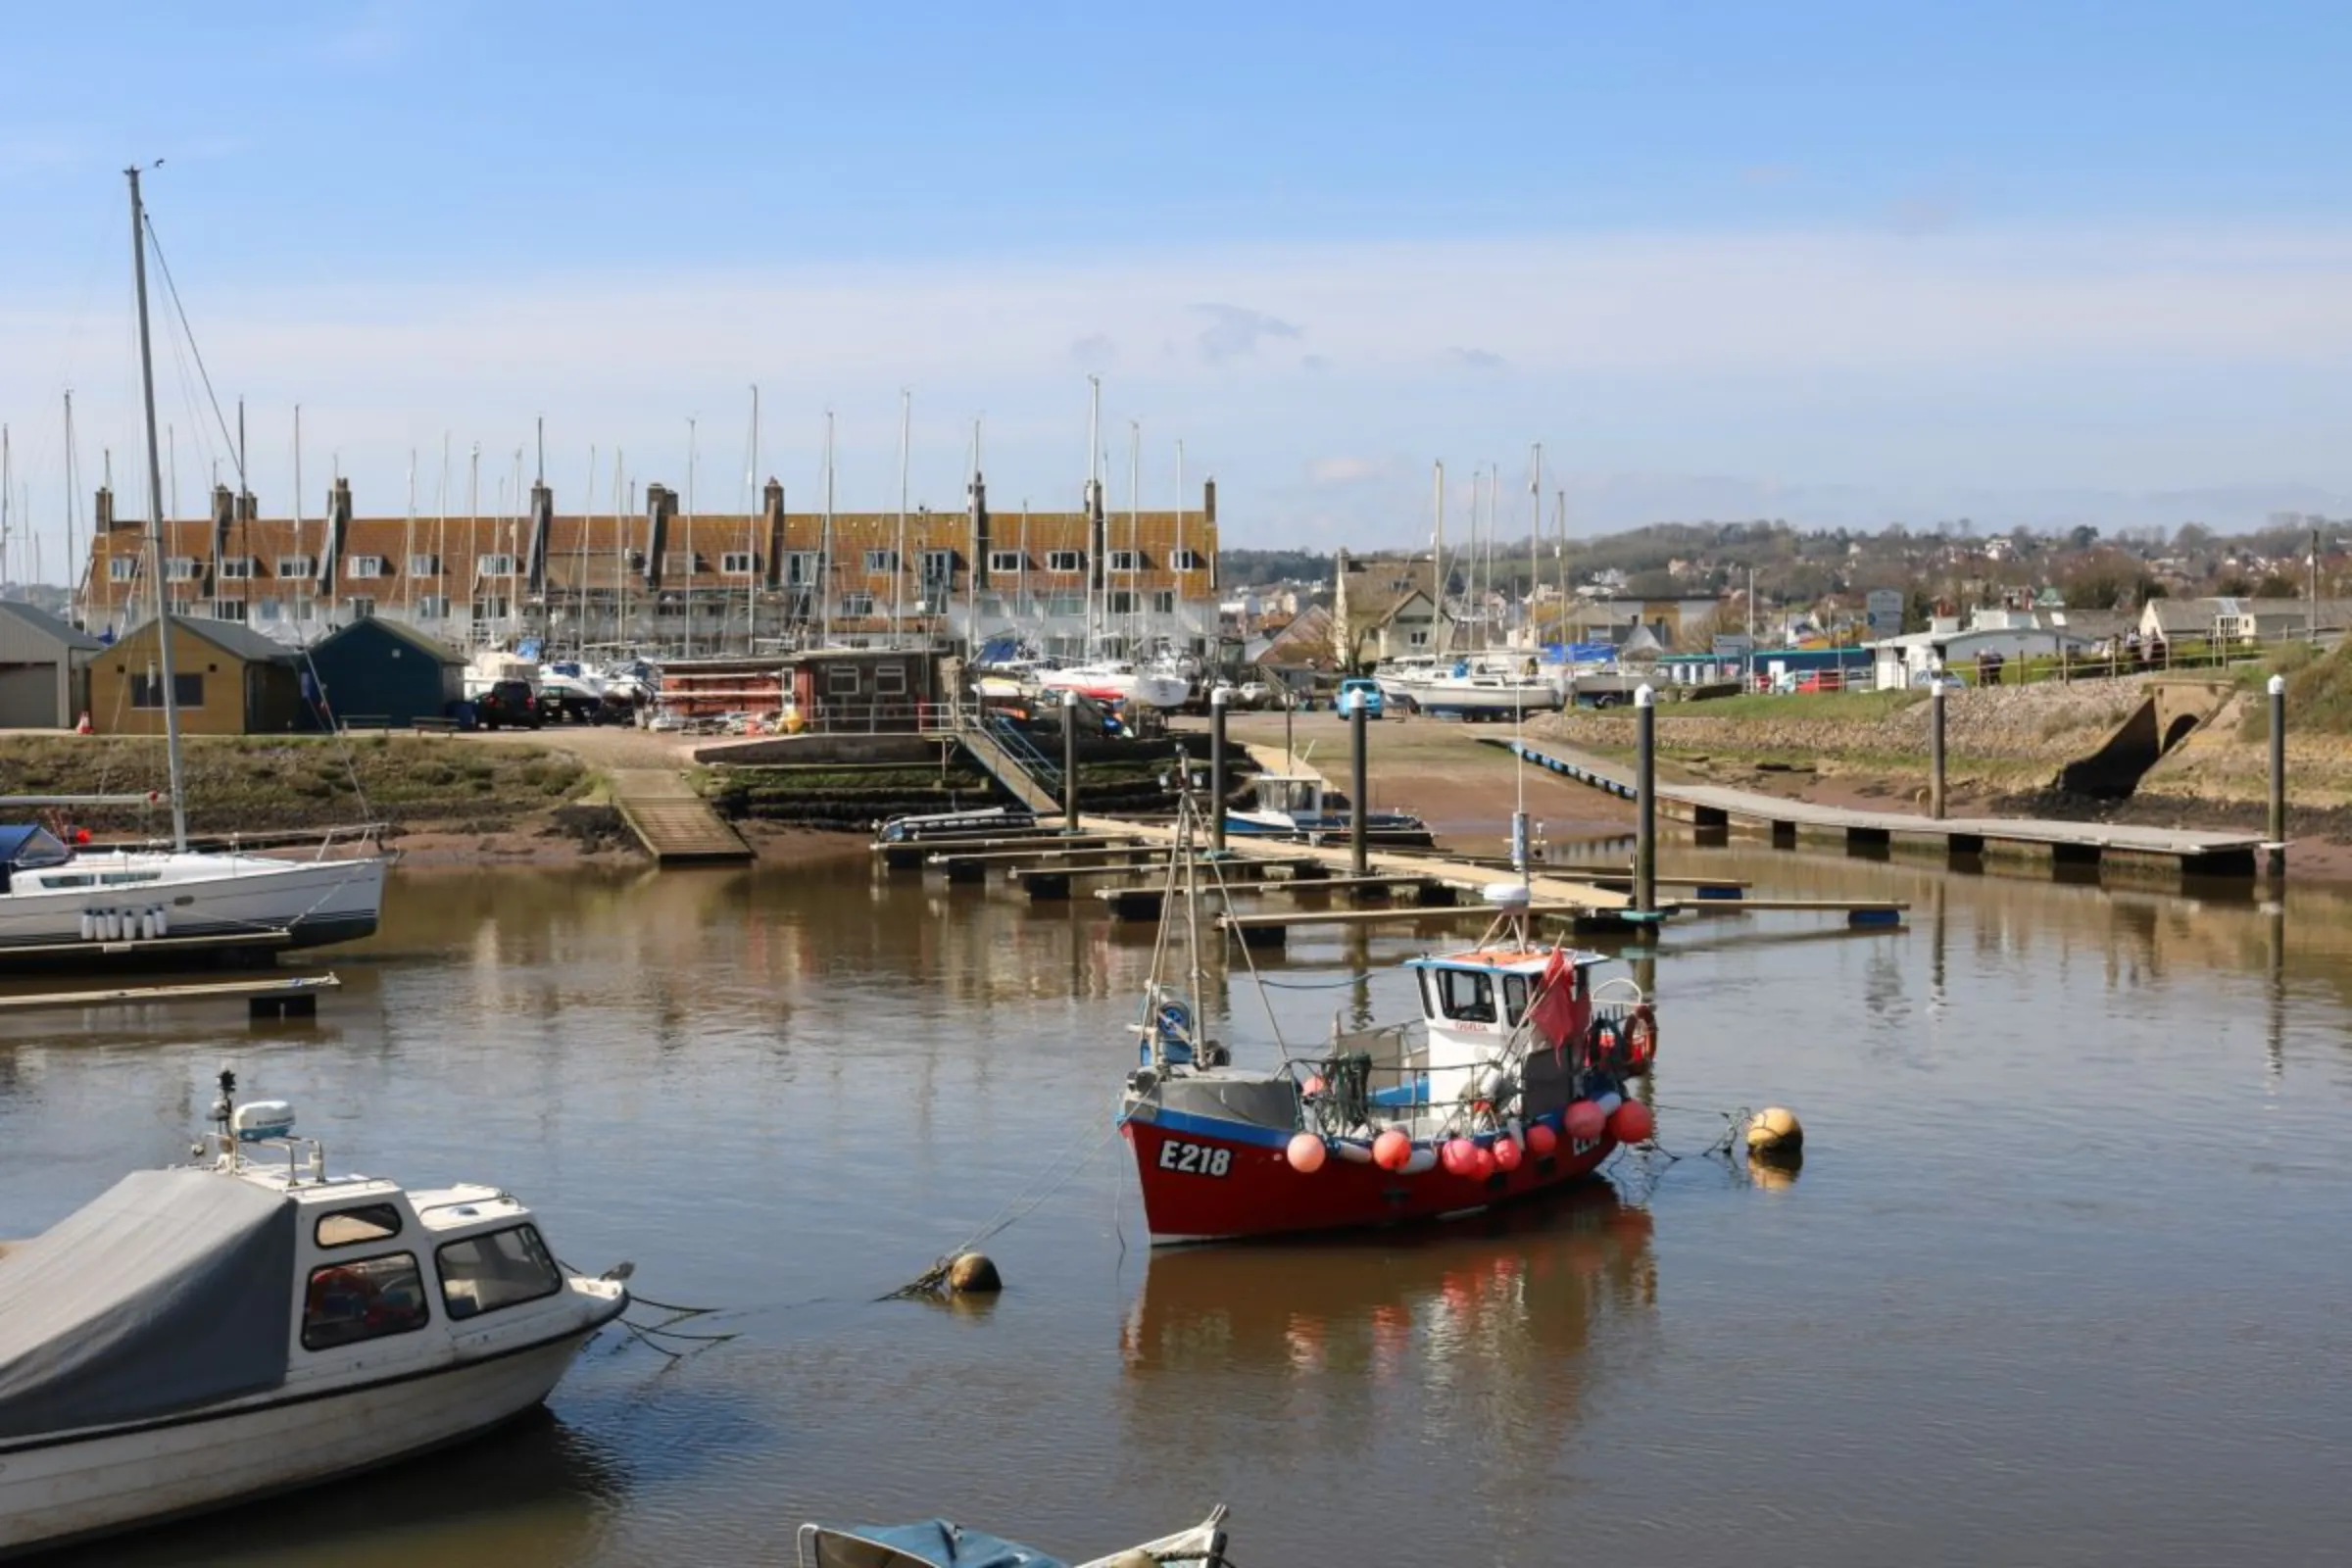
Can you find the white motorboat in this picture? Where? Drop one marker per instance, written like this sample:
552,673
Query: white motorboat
205,1334
1117,680
1486,689
64,903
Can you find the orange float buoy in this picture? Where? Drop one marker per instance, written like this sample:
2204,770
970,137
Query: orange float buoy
1455,1157
1481,1163
1306,1154
1506,1153
1391,1150
1632,1123
1586,1122
1541,1140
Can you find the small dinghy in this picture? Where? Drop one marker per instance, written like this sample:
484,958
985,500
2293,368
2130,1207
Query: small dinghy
936,1543
208,1333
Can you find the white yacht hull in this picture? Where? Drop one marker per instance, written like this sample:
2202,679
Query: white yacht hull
1483,700
1120,686
160,1470
207,900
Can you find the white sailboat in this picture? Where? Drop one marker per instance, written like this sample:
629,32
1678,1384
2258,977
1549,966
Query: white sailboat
61,903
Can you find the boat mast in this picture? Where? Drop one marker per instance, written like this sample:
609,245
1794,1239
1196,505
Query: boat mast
1135,537
1436,565
407,544
1535,540
155,526
898,556
1175,629
972,641
1094,509
825,554
690,561
72,505
753,511
579,555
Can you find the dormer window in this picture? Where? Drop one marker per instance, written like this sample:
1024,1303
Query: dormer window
297,565
494,566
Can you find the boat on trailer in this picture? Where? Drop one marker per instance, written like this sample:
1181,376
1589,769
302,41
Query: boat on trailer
205,1334
1515,1078
938,1544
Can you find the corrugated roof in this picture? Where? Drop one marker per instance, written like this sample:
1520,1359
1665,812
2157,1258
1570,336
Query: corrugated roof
49,625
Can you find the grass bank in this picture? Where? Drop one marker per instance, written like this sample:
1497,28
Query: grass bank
260,784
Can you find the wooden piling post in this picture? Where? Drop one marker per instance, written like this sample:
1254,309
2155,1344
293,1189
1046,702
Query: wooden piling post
1935,748
1359,838
2277,849
1069,761
1216,767
1645,798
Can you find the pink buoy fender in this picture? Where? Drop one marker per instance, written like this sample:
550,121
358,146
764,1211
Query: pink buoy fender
1306,1154
1391,1150
1541,1140
1585,1121
1632,1123
1506,1153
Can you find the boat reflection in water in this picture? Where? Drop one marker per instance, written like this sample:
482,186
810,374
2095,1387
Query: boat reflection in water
1498,1311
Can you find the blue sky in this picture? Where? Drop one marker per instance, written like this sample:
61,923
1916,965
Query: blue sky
1845,263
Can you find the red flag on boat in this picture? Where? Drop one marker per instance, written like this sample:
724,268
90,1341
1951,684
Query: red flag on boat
1559,1010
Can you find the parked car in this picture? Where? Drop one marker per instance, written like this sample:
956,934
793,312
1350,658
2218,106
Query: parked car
509,702
1355,691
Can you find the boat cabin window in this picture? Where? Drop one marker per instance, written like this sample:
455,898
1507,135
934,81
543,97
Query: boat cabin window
1514,998
348,1227
1466,996
483,1273
364,1298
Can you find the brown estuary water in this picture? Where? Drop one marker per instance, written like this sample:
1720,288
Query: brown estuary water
2063,1279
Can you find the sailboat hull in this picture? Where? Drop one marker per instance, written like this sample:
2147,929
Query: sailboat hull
1209,1180
211,905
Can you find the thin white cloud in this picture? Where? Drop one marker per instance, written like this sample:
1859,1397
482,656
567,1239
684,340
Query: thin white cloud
1342,470
1234,331
2129,358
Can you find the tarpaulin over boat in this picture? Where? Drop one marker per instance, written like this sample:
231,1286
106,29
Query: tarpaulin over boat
933,1544
171,1291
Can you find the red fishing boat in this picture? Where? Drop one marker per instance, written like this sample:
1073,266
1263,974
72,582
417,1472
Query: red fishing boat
1514,1079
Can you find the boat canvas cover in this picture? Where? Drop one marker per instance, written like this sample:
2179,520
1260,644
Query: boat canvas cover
171,1291
933,1544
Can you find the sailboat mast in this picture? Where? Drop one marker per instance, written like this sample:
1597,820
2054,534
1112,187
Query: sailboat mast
1535,539
898,556
1437,563
825,555
1135,535
1176,577
155,526
752,511
73,506
1093,508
